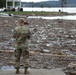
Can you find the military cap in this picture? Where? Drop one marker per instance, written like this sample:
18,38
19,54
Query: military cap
21,20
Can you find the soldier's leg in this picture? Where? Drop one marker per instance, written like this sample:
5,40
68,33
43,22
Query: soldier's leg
17,61
25,55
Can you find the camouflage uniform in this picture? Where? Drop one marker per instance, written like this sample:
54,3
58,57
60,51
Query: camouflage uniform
21,35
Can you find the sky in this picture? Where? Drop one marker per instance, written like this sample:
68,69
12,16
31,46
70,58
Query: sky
36,0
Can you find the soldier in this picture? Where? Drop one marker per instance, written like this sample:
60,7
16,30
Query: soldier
21,35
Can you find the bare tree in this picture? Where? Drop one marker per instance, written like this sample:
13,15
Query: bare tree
63,3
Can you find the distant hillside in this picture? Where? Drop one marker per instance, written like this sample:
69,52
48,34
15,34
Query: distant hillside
70,3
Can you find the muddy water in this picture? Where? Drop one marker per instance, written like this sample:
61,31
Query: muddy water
70,17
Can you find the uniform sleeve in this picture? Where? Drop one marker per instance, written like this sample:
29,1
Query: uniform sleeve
29,34
14,33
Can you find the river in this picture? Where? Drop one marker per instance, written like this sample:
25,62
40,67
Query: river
70,17
50,9
56,9
65,9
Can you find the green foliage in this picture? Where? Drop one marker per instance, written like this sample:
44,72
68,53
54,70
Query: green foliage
42,6
63,2
29,13
32,6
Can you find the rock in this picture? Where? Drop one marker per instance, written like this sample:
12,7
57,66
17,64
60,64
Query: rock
11,63
45,51
60,21
59,53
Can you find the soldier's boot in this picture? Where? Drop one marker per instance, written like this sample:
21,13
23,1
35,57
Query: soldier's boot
17,71
26,71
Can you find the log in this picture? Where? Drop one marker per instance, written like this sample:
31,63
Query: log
55,55
7,51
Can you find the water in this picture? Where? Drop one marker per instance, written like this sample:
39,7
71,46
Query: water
56,9
65,9
70,17
6,67
52,9
5,14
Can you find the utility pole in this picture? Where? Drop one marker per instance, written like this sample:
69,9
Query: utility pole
20,3
13,3
6,4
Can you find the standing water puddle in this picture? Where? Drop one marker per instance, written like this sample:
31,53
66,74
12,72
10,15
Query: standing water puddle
6,67
70,17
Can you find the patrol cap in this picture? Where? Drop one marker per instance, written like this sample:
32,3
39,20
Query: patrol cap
21,20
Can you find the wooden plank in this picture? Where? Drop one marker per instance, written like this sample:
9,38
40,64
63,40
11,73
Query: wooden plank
55,55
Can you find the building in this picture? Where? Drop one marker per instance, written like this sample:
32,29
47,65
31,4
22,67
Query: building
13,3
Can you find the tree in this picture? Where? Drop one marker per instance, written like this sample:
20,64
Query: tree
2,3
42,6
32,5
63,3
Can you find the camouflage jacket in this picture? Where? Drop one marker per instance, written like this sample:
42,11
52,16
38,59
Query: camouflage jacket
21,35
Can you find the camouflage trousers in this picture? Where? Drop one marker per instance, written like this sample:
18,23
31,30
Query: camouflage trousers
25,54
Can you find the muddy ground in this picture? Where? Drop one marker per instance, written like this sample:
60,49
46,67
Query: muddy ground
57,37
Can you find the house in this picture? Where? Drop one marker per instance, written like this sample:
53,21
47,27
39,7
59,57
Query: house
13,5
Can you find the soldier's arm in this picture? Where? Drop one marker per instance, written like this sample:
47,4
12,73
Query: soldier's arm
14,33
29,34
